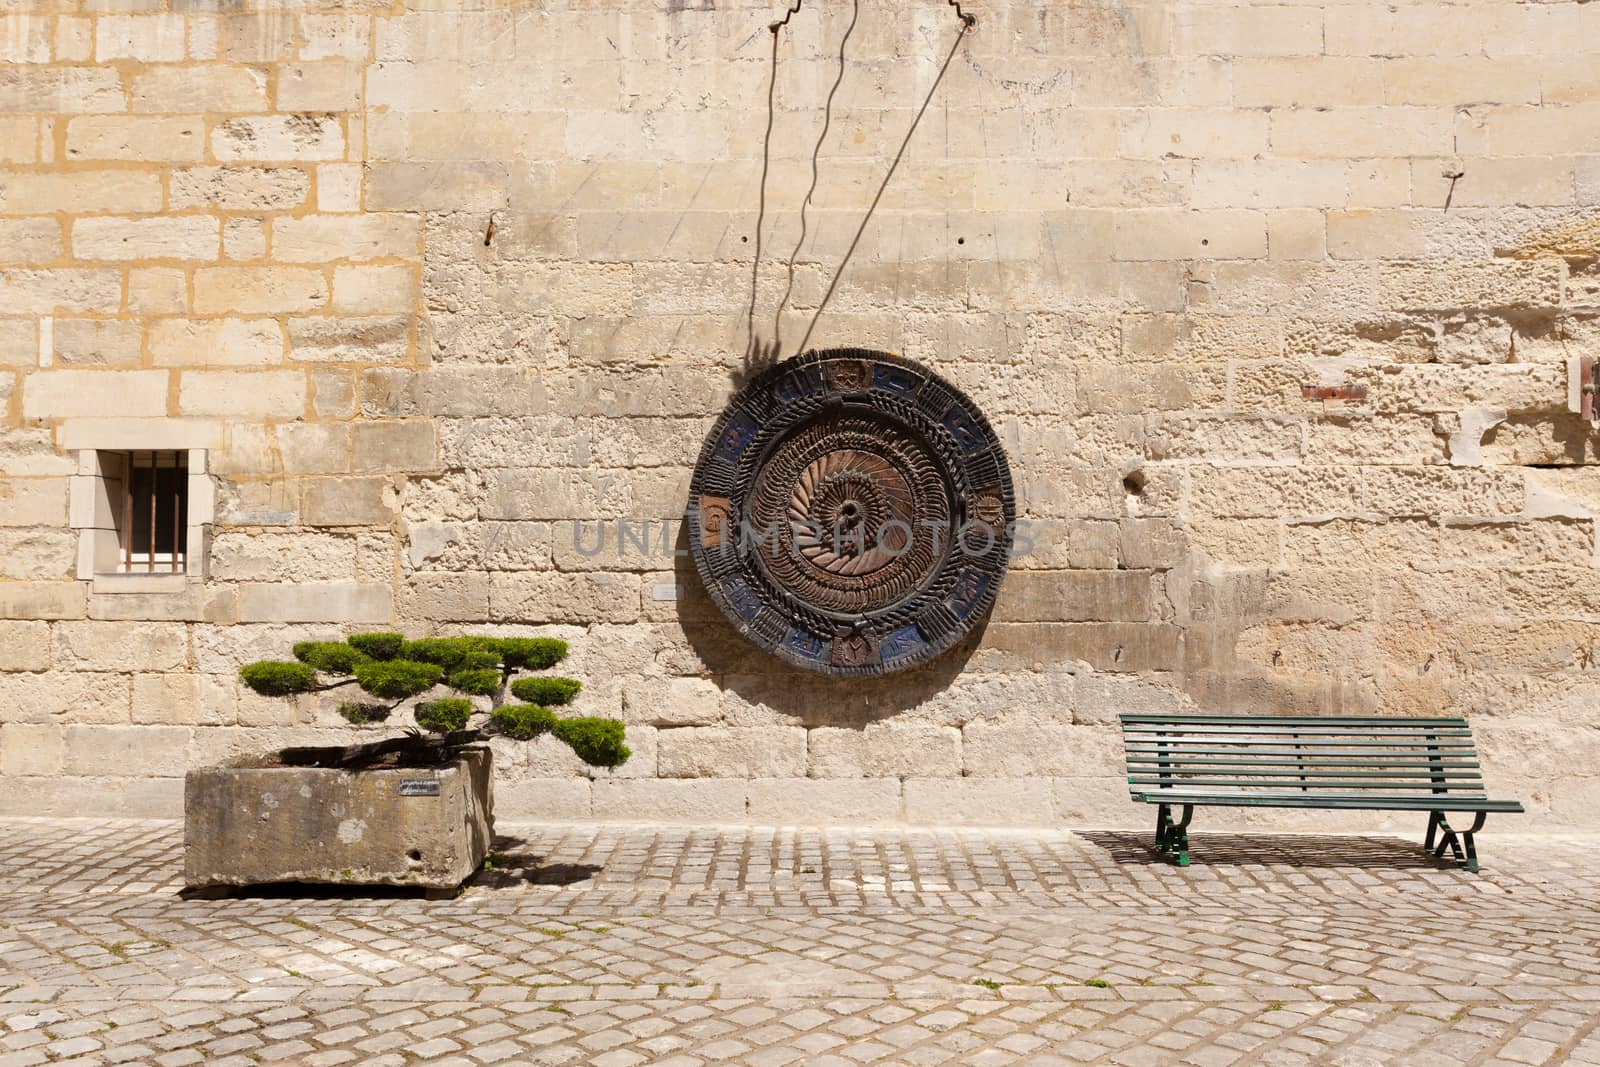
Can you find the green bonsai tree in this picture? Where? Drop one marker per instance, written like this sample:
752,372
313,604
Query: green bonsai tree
390,671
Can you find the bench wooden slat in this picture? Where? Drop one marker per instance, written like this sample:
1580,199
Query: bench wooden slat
1292,737
1233,744
1300,783
1153,760
1371,755
1305,731
1300,800
1292,720
1299,758
1189,771
1324,746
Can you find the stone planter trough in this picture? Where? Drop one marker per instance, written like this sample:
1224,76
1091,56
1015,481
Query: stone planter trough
425,826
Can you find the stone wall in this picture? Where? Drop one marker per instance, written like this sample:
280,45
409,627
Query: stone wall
423,287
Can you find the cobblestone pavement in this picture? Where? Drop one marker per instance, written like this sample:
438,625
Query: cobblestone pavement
620,945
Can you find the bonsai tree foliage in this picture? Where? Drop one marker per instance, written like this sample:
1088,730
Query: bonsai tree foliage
390,671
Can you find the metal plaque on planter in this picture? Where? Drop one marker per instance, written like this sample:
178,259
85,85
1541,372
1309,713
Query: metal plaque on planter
852,512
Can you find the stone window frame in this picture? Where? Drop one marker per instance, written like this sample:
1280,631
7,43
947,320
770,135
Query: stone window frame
95,494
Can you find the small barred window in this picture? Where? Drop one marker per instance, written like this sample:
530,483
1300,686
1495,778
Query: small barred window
154,514
143,517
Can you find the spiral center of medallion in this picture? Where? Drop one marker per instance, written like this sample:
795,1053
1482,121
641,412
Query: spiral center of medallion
850,503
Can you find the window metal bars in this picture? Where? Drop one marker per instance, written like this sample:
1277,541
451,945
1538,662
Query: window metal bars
154,483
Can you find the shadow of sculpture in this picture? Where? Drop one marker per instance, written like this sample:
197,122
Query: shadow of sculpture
763,680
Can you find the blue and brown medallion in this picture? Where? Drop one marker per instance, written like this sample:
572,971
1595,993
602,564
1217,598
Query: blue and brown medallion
854,512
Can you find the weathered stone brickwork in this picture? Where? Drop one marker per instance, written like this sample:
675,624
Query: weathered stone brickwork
430,284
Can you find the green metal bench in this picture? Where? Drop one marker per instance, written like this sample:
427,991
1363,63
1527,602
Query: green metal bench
1382,764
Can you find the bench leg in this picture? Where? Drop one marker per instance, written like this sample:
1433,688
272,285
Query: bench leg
1472,851
1174,837
1463,846
1181,831
1468,840
1448,840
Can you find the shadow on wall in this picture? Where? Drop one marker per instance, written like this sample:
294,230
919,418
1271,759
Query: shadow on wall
811,699
1215,674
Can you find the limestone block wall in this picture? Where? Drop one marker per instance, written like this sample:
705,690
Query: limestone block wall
426,284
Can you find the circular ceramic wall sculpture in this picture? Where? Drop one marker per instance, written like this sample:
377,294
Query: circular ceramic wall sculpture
852,512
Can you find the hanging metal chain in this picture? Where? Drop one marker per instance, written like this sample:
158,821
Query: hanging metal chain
755,352
752,355
816,151
967,23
